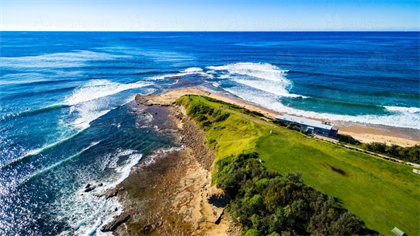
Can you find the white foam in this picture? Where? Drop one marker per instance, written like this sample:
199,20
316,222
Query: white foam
39,150
193,70
87,114
88,213
63,161
95,89
403,117
261,76
122,172
85,212
274,87
125,170
413,110
187,72
161,152
85,103
263,71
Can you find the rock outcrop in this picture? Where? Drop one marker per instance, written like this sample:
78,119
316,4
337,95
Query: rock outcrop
117,221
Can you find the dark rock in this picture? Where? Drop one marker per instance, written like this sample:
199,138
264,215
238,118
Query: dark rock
111,193
117,221
148,228
219,218
100,185
89,188
218,200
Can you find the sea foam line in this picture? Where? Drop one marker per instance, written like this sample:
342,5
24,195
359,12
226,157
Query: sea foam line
189,71
263,71
52,167
412,110
38,151
274,87
403,117
95,89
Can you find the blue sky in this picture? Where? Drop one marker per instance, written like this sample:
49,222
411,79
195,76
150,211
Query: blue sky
206,15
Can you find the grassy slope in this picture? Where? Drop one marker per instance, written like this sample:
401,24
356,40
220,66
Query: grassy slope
382,193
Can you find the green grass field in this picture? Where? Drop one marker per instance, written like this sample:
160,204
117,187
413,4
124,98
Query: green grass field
383,194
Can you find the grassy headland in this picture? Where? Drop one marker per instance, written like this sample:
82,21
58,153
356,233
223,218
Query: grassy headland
381,193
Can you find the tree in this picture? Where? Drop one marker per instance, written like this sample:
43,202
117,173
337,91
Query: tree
347,224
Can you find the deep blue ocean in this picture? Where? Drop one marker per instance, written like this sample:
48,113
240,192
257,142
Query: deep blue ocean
67,116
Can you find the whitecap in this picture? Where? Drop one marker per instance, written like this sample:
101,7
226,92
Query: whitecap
406,110
261,76
403,117
192,71
274,87
95,89
85,102
263,71
47,169
84,212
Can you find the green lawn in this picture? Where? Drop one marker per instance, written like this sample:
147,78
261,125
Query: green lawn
383,194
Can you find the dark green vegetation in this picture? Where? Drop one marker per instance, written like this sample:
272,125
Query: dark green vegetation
383,194
266,203
409,154
347,139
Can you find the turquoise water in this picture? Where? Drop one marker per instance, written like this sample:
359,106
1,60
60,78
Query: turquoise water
66,118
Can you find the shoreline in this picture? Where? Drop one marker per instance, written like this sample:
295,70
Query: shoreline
363,132
168,192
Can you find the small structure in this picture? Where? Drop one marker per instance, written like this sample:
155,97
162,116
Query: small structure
310,126
398,232
416,171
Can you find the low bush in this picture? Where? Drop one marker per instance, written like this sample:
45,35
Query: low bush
267,203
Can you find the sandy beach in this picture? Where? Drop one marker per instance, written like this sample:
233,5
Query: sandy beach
362,132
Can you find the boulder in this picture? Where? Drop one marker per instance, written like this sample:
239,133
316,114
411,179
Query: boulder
117,221
89,188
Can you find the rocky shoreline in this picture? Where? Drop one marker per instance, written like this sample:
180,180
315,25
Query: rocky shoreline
170,193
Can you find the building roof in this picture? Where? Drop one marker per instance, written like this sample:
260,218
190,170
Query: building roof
307,122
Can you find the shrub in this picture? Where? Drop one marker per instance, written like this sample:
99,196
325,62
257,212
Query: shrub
267,203
347,139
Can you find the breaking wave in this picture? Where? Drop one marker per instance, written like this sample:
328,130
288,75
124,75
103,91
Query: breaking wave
263,71
95,89
402,117
192,71
265,84
262,76
84,100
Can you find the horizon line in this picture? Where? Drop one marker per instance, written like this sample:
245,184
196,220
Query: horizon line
210,31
